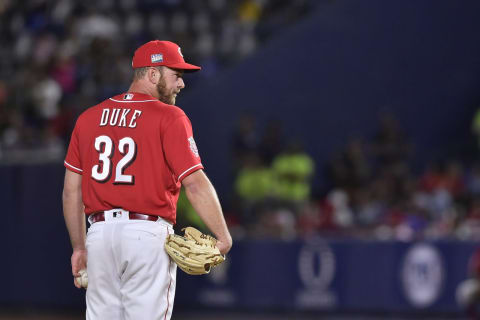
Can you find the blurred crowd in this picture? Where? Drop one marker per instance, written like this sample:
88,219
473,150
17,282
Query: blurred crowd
59,57
371,190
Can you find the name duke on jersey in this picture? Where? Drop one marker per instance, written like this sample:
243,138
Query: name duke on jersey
119,117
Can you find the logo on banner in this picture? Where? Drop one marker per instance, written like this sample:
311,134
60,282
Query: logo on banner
316,269
422,275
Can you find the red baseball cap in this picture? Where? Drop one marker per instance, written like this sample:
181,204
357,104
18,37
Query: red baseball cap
161,53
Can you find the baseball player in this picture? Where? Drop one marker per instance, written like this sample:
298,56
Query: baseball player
127,159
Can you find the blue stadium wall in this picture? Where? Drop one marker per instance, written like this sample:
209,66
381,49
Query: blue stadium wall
315,275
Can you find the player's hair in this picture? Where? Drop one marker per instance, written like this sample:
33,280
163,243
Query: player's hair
139,73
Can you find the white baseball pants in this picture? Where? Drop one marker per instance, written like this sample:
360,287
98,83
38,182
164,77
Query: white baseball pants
130,276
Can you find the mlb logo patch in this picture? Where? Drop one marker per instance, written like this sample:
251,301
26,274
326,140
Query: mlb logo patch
156,58
128,96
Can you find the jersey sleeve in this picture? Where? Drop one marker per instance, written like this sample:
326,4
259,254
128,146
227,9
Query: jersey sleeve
180,149
72,160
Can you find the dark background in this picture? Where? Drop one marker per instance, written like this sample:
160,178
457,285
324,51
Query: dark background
327,76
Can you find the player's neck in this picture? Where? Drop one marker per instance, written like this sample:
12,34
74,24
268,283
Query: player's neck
141,88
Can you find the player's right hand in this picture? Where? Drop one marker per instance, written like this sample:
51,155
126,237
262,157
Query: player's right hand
79,262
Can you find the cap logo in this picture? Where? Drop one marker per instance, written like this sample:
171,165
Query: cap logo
180,51
155,58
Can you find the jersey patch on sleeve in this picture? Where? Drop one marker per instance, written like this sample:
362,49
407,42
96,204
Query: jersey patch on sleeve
193,146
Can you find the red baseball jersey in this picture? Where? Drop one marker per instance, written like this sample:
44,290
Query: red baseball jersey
133,151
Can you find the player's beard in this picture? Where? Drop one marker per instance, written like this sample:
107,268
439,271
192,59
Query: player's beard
163,94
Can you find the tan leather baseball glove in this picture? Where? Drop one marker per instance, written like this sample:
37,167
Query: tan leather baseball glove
195,252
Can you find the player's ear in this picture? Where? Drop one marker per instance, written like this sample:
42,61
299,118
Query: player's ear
153,75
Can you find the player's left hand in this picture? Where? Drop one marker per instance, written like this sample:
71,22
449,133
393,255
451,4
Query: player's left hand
224,246
195,253
79,262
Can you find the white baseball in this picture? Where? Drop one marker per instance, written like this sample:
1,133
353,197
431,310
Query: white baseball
83,278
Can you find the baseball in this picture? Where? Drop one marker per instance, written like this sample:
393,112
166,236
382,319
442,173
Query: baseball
83,278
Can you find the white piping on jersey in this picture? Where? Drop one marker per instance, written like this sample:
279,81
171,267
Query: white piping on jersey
133,101
188,170
68,164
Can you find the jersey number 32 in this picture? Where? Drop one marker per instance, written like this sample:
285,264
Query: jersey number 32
102,171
